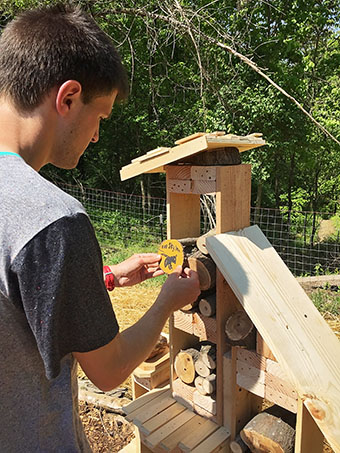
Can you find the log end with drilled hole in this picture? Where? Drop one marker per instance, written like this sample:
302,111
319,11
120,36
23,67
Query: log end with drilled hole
185,365
240,331
207,305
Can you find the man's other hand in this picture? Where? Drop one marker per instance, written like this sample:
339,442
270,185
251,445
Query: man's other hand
136,269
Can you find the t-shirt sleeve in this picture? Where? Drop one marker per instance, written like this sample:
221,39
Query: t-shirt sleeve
57,278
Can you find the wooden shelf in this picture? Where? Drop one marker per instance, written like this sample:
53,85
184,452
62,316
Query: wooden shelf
164,424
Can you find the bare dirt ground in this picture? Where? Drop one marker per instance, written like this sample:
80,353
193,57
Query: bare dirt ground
109,432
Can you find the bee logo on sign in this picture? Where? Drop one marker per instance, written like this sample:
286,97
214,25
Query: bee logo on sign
172,255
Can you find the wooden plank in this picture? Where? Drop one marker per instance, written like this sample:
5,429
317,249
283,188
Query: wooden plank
164,431
174,154
232,210
281,399
184,321
150,409
275,369
205,402
203,173
238,403
280,385
308,437
214,441
294,330
251,383
179,186
138,389
170,442
178,171
233,197
194,438
160,419
203,187
189,138
183,393
251,358
150,154
205,327
186,149
262,348
250,371
134,405
183,214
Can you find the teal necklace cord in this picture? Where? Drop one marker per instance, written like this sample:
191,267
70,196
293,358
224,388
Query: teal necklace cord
5,153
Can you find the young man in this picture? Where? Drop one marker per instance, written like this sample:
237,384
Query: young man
59,76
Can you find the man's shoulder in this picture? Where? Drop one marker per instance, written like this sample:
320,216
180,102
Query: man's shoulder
29,203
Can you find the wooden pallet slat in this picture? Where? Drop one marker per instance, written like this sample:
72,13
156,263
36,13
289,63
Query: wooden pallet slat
160,419
161,398
164,431
214,442
136,404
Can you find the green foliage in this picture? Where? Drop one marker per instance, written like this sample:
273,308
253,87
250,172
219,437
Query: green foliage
326,301
182,83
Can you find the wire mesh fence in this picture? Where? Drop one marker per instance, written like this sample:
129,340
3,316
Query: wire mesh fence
308,242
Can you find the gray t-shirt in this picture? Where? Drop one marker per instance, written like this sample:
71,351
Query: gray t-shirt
52,302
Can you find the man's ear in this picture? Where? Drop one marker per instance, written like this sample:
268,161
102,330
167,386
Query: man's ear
68,95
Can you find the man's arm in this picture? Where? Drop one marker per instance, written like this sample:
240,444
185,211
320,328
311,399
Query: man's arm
108,366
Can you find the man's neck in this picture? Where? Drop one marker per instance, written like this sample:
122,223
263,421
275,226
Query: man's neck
24,134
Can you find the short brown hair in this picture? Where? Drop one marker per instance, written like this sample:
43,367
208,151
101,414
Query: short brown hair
45,47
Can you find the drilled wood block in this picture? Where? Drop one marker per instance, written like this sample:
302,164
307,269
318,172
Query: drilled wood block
203,173
205,327
184,321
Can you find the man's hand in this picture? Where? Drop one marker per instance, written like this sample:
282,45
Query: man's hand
136,269
182,287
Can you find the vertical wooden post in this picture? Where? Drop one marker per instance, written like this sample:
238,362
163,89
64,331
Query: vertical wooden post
183,217
308,437
234,406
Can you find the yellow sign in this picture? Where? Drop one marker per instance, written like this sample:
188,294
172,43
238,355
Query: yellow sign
172,255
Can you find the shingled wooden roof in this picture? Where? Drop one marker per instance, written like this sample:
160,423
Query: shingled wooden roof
154,161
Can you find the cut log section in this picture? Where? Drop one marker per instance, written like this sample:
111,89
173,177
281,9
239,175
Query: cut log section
208,355
240,331
200,242
207,305
185,365
201,368
238,446
205,268
268,433
206,386
217,156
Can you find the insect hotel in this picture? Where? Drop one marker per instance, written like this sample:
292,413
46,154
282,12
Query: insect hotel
253,366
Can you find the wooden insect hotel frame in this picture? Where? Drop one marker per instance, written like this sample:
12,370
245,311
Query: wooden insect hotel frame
293,361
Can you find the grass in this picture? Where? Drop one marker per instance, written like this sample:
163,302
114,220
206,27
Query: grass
326,301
